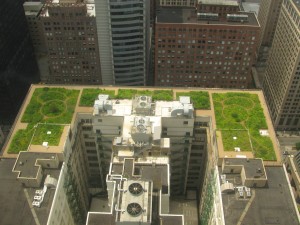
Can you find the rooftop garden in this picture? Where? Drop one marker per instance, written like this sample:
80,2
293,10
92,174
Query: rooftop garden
50,133
89,95
157,95
200,99
47,107
242,111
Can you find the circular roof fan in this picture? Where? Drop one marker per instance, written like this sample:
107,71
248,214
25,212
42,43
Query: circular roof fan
135,188
141,121
134,209
141,128
143,98
143,104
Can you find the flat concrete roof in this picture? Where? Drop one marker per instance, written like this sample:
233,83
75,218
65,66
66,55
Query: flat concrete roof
220,2
158,173
270,205
251,166
171,220
27,160
188,15
15,200
95,218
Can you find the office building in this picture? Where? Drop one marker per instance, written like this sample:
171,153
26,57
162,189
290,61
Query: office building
2,138
292,163
65,38
130,161
116,138
205,48
248,193
18,67
268,17
123,39
190,3
281,81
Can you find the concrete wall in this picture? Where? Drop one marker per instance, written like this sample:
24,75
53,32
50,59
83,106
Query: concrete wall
60,213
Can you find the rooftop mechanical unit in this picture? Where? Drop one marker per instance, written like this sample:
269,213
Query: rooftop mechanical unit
135,204
237,18
142,105
208,16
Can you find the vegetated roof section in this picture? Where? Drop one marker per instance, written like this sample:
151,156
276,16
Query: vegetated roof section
236,140
47,105
163,95
234,110
189,15
21,140
200,99
37,134
89,95
47,133
29,163
51,105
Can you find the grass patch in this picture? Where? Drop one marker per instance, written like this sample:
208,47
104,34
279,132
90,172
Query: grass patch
47,105
41,134
89,95
126,93
243,111
57,109
200,99
157,95
53,108
236,138
21,140
162,95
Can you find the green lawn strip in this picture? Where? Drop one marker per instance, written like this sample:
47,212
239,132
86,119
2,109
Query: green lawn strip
51,105
126,93
263,147
162,95
243,111
157,95
32,113
200,99
89,95
144,92
42,134
21,140
236,138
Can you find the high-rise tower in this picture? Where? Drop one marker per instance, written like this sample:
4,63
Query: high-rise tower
122,28
213,46
65,40
281,83
268,17
18,67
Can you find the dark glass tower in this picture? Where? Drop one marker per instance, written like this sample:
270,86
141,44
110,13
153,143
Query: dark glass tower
18,68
